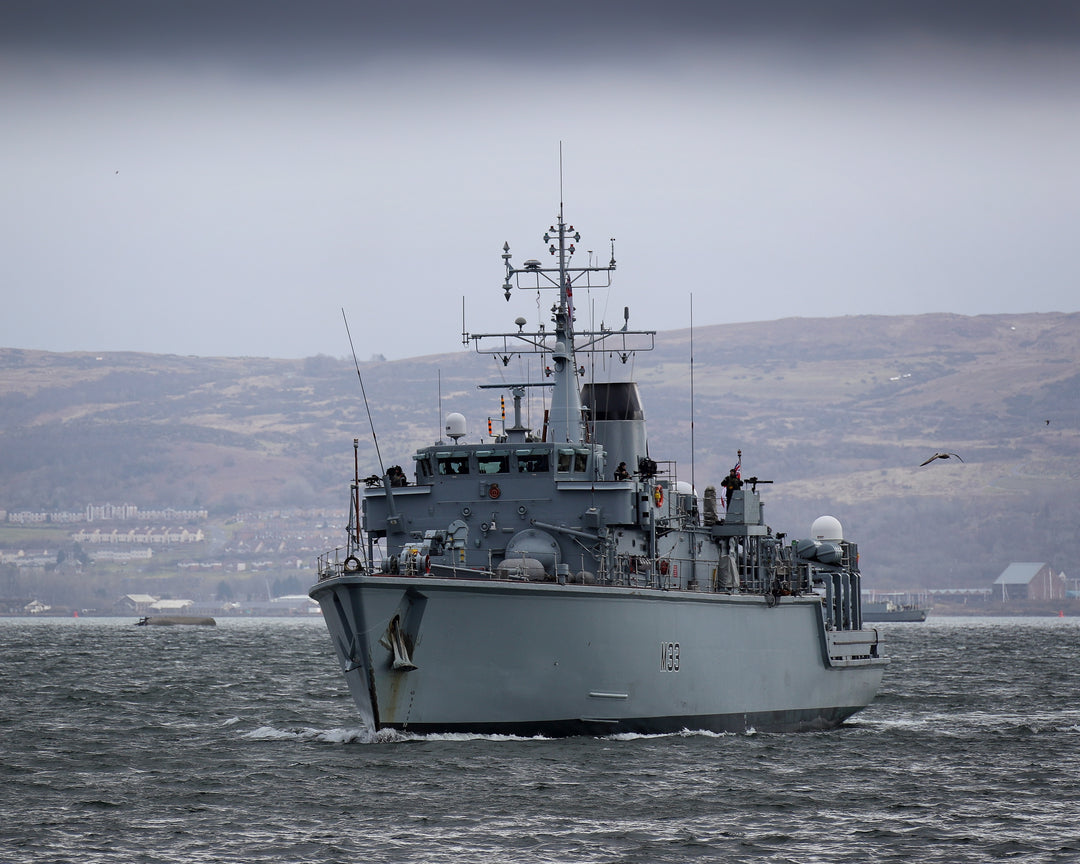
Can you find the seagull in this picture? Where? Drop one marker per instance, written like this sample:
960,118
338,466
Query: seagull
939,456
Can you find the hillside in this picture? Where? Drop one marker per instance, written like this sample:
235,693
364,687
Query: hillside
838,412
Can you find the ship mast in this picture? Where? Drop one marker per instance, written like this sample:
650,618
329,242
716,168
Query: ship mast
565,423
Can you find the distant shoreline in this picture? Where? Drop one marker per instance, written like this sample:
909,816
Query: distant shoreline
1068,608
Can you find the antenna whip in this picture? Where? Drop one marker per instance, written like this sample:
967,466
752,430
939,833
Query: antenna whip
693,487
371,423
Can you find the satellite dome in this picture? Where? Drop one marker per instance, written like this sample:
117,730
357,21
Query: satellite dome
827,528
455,425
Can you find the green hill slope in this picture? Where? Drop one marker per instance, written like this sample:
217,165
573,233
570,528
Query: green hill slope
837,412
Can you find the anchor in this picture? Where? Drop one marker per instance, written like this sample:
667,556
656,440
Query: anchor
402,660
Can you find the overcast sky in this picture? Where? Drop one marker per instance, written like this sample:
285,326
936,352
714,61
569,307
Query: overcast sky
222,178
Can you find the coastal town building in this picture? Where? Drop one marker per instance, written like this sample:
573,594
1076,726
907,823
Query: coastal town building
1029,581
139,536
105,513
135,604
171,606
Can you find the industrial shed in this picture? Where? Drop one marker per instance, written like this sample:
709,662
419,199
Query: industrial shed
1029,581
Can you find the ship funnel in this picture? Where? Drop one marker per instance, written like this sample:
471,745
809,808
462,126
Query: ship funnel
618,420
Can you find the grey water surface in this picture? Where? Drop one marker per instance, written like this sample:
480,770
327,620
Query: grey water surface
240,743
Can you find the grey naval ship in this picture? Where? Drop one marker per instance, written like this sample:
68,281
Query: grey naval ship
561,581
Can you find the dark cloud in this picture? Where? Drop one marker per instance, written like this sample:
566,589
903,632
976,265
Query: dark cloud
289,33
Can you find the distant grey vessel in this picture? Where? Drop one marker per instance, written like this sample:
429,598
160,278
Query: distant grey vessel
561,581
895,607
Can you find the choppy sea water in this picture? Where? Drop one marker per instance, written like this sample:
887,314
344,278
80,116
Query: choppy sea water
239,743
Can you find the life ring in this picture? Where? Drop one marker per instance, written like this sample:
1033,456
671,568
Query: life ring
658,495
427,563
494,491
663,567
352,564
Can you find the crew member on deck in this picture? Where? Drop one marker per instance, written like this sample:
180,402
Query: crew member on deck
731,483
621,473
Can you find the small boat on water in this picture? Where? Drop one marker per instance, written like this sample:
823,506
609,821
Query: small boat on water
561,580
175,620
893,607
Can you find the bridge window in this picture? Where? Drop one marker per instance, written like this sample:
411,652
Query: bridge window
492,462
423,465
566,460
573,460
533,461
453,463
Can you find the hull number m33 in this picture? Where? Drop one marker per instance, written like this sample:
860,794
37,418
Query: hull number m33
669,656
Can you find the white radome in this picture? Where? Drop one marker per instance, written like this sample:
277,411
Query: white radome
455,425
827,528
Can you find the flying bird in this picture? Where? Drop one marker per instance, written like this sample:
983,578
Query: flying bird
939,456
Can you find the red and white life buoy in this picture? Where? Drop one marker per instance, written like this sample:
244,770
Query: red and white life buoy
658,495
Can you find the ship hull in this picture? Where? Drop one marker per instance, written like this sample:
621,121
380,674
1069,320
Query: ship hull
457,655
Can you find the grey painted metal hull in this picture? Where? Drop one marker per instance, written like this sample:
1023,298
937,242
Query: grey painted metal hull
527,658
